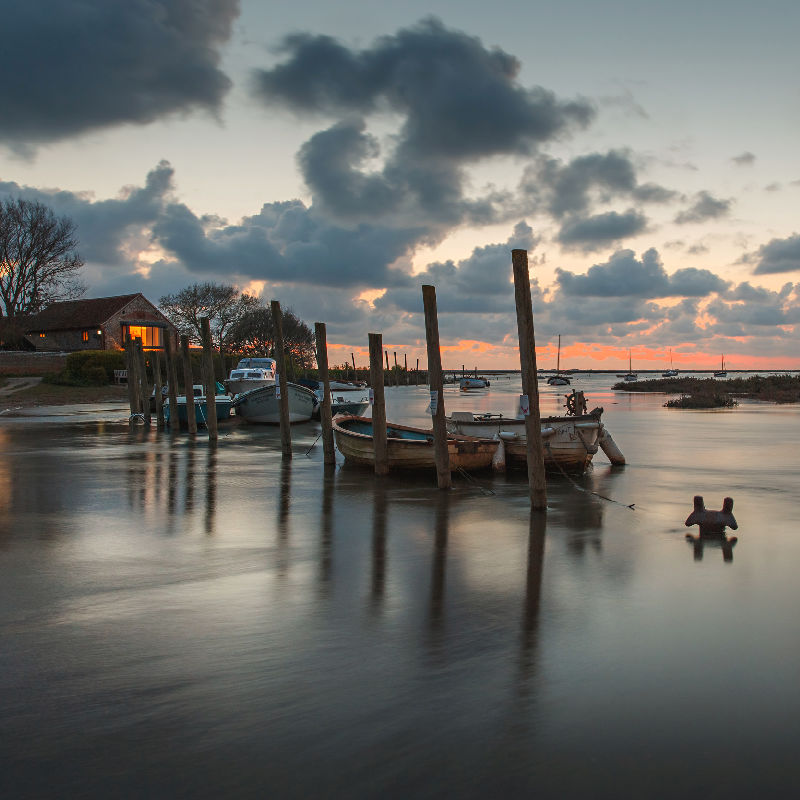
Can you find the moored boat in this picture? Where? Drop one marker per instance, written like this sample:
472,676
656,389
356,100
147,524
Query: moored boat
261,405
671,372
222,402
408,447
472,383
251,373
558,379
721,372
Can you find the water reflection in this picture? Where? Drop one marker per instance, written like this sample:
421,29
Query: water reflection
533,590
282,526
211,489
720,540
379,515
326,526
438,574
188,495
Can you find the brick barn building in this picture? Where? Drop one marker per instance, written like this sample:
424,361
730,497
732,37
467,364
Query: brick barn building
103,323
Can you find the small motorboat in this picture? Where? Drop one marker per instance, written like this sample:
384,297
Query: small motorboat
262,405
473,383
222,401
251,373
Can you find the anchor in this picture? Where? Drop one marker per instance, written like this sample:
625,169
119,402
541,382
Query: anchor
712,525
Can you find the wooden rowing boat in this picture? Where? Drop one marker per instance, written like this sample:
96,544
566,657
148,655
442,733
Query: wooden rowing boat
409,448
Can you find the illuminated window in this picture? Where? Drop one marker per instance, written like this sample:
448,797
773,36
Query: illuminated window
41,336
152,337
86,336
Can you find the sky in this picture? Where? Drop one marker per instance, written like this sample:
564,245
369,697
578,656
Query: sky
337,156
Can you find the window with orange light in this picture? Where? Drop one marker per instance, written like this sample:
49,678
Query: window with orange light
151,336
86,336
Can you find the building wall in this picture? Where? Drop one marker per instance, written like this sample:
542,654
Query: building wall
22,363
138,310
66,341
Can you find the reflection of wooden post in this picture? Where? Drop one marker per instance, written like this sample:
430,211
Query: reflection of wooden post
157,392
527,358
378,404
329,455
211,383
435,378
172,382
188,382
142,384
286,433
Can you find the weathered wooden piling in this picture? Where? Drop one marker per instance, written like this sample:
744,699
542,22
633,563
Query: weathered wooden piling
527,359
210,382
172,382
378,404
328,452
355,374
188,384
283,383
130,367
157,396
142,385
440,453
416,374
405,368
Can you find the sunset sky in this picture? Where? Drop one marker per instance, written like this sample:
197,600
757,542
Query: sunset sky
336,156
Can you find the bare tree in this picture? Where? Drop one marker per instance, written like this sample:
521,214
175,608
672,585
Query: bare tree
254,334
39,263
224,306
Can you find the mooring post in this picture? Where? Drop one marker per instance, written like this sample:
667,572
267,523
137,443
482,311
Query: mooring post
172,382
416,374
157,396
440,453
211,381
329,454
378,404
188,382
530,390
130,367
143,387
283,383
355,373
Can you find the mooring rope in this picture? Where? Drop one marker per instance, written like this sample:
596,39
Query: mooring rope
631,506
313,443
477,484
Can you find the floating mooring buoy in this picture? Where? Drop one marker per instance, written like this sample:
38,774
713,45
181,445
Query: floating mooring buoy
712,523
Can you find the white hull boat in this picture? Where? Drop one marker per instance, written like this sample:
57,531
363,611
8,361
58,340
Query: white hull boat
251,373
262,406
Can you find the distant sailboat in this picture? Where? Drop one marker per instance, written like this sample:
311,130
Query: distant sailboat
669,373
721,373
558,379
630,375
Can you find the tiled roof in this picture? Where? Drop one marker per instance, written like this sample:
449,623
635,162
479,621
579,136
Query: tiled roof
72,314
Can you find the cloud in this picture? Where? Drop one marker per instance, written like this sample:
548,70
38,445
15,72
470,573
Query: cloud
704,207
458,103
624,276
778,255
459,99
569,188
98,63
594,232
746,159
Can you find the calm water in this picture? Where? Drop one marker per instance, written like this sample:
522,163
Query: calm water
180,620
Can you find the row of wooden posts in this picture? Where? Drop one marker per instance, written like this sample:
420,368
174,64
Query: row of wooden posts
139,390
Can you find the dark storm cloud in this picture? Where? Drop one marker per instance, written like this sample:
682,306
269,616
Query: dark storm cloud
478,284
285,242
592,233
86,65
704,207
745,159
104,227
623,275
778,255
569,188
460,100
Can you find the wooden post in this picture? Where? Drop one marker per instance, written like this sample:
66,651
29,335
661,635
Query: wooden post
329,454
441,455
130,366
211,383
416,374
527,358
355,373
280,355
378,404
188,382
172,382
405,368
142,384
157,394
